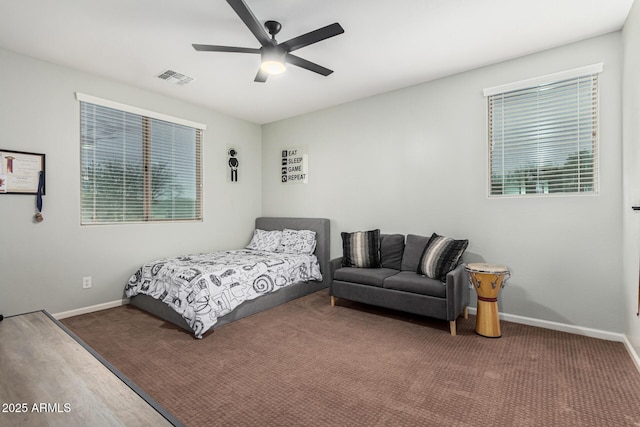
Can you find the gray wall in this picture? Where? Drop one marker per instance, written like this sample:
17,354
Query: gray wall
42,265
415,161
631,169
409,161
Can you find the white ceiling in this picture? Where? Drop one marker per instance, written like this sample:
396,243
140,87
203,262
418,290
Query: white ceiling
387,45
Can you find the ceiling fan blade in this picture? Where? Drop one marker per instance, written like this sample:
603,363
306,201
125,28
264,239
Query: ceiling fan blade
312,37
303,63
214,48
261,77
251,22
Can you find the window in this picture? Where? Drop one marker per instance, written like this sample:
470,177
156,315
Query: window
136,167
543,135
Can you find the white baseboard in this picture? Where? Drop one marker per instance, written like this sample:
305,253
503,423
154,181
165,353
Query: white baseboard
572,329
632,353
90,309
563,327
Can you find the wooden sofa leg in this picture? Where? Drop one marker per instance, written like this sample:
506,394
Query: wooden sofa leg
452,327
333,301
465,313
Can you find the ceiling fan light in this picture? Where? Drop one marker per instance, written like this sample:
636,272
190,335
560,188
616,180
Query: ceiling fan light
273,60
272,66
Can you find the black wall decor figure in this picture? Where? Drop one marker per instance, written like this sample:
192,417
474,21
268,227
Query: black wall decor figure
233,164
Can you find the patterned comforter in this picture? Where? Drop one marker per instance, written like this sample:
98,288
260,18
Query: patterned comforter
203,287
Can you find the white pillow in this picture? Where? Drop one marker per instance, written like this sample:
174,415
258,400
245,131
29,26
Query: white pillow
297,242
265,240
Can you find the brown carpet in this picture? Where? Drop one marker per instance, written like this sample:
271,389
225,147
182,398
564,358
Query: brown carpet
306,363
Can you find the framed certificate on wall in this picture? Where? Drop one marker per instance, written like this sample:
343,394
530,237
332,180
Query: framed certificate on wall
20,172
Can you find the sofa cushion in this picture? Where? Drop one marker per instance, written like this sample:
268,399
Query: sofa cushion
391,250
441,255
413,250
364,276
409,281
361,249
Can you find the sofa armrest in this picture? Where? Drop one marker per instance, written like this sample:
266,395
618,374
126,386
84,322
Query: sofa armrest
334,264
458,294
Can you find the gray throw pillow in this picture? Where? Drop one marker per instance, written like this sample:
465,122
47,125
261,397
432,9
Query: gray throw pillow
413,250
391,250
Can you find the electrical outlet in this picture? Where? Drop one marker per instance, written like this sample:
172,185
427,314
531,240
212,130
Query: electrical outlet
86,282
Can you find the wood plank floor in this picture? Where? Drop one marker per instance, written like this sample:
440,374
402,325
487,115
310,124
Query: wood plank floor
48,379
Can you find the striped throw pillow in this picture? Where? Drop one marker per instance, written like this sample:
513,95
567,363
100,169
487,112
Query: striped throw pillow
361,249
440,256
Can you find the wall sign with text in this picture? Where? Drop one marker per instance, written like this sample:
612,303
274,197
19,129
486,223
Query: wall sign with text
294,162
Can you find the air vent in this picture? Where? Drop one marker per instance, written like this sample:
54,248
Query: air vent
175,77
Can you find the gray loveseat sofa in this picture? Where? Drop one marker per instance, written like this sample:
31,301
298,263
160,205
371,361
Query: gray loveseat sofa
395,284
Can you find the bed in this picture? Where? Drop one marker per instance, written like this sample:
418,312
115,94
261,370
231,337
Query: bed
257,300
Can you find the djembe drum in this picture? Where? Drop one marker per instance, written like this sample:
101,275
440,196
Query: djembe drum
487,279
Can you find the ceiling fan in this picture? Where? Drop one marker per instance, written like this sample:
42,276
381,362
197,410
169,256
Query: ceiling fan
275,55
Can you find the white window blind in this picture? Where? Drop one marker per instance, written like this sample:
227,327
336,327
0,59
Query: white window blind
138,168
543,138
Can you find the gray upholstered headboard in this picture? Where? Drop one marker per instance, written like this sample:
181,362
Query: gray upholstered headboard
320,225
